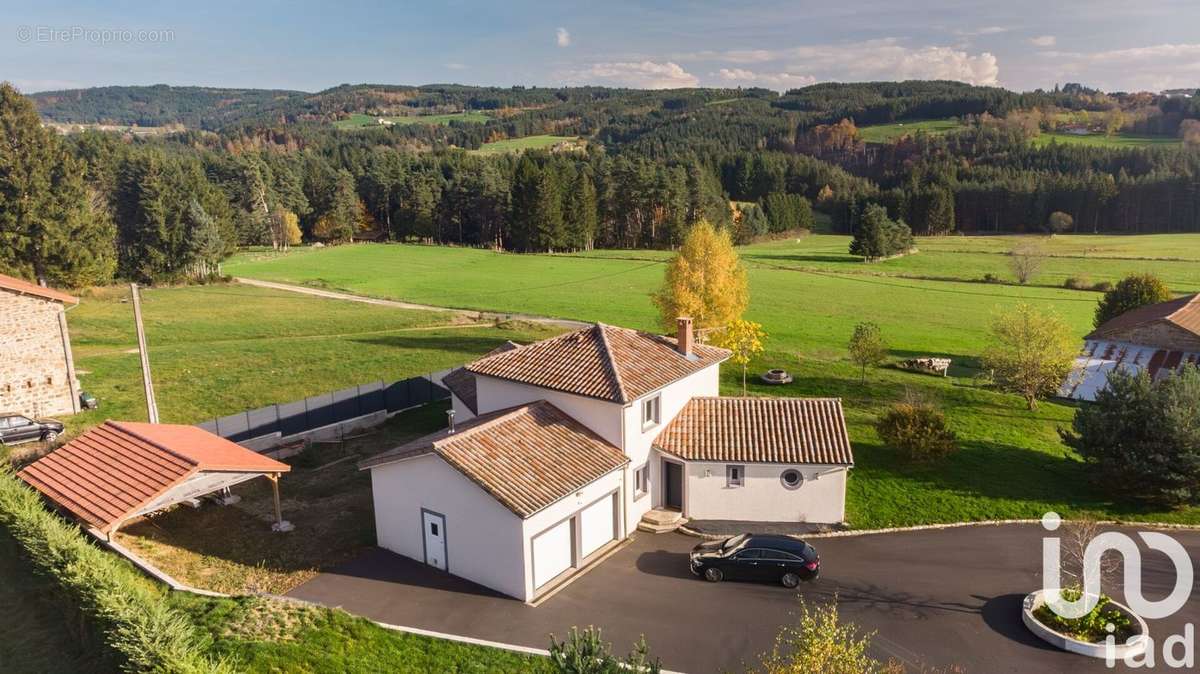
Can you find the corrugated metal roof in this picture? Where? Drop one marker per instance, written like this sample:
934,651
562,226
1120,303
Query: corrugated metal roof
602,361
26,288
1089,373
526,457
114,469
759,430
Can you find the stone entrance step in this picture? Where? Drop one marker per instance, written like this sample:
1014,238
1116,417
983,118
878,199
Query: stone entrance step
660,521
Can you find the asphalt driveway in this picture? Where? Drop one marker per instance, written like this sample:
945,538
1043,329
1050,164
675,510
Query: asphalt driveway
935,598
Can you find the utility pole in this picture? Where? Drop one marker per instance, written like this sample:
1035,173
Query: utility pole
151,403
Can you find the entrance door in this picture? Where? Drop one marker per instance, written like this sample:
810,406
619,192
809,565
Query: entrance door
672,484
435,539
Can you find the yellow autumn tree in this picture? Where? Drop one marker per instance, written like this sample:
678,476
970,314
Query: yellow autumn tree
705,280
745,339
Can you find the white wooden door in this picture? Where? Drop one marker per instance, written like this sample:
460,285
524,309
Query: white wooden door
551,553
597,524
435,539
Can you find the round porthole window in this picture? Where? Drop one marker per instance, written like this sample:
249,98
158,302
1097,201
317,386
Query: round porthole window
792,478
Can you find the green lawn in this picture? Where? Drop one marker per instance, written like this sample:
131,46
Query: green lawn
361,121
886,133
808,295
524,143
1101,140
220,349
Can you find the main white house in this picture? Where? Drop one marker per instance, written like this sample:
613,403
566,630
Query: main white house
556,450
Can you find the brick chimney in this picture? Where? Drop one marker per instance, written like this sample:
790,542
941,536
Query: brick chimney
683,335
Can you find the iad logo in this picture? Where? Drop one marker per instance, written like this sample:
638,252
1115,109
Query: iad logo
1088,581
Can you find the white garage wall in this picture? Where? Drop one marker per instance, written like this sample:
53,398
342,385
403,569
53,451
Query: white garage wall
563,509
763,497
484,540
638,442
461,411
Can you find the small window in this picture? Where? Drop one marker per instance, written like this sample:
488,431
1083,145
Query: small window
750,554
641,481
780,556
651,411
433,528
792,478
735,476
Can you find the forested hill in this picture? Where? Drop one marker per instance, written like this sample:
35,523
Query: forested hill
213,108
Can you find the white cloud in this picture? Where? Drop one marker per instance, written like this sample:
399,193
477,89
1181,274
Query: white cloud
991,30
884,59
640,74
1153,67
455,66
777,81
36,85
1043,41
562,37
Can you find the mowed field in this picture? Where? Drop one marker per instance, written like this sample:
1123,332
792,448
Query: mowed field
362,121
809,294
220,349
1101,140
886,133
525,143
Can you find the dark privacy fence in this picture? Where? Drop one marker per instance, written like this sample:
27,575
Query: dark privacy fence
327,408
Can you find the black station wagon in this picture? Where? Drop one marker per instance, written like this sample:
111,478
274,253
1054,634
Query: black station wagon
761,557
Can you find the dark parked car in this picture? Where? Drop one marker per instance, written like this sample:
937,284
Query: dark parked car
764,557
16,428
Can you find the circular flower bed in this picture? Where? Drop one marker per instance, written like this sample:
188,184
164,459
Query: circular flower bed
1087,635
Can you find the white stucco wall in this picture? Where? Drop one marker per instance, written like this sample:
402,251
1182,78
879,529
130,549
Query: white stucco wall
461,411
602,417
484,540
638,442
762,496
563,509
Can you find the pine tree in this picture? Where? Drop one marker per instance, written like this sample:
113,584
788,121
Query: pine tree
580,216
51,227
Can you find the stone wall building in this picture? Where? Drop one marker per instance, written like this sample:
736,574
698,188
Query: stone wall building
37,372
1158,339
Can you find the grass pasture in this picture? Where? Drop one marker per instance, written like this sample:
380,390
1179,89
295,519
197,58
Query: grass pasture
524,143
359,120
808,294
1118,140
886,133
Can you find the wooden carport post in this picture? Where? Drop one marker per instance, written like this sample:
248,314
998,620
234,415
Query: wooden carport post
280,523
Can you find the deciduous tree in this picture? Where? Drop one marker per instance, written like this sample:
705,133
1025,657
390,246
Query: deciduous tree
1131,292
705,280
745,339
1030,352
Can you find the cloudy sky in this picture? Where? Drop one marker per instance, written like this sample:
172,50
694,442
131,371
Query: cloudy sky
1148,45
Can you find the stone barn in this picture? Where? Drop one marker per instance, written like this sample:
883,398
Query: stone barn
1160,339
37,373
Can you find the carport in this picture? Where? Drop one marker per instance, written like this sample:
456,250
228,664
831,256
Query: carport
121,470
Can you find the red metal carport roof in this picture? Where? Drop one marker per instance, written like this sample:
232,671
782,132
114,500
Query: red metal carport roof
110,472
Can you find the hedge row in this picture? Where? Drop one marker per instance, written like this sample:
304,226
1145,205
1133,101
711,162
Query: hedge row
129,614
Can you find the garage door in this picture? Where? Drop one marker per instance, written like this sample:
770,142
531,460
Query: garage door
597,522
551,553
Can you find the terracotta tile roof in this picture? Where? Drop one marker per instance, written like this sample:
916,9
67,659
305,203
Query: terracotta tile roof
526,457
602,361
26,288
462,383
1182,312
113,470
759,430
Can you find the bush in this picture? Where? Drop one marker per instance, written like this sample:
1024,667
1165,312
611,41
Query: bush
821,642
131,616
1102,286
587,653
917,429
1131,292
1142,438
1092,627
1077,283
991,278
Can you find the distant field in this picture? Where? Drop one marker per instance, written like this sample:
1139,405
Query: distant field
808,294
262,346
885,133
522,144
1101,140
361,121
